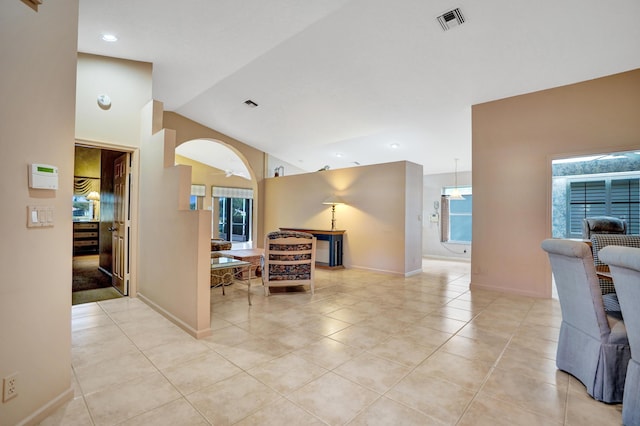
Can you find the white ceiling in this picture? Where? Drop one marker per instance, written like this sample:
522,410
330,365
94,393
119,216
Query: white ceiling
351,77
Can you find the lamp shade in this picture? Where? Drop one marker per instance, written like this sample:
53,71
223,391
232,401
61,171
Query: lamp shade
93,196
333,200
456,195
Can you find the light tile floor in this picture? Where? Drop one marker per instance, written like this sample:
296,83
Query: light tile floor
366,349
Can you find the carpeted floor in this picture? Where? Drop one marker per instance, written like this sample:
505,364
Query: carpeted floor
87,276
89,283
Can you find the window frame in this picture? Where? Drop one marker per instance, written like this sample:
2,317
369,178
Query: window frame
446,214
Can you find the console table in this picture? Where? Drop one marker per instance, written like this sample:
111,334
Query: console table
335,245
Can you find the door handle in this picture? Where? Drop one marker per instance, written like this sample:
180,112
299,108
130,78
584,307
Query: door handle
111,229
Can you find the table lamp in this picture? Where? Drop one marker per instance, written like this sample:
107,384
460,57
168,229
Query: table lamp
94,197
333,201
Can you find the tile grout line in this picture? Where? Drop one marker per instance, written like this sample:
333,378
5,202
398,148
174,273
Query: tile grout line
182,396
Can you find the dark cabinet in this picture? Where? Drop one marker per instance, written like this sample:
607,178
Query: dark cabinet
86,238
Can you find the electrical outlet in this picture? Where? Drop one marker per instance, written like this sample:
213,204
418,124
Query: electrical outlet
9,387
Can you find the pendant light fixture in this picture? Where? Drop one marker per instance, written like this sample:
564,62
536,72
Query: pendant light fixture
456,194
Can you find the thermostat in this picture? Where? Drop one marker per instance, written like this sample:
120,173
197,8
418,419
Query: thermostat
43,176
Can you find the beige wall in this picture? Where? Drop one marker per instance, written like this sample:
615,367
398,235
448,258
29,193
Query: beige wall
514,141
413,218
174,242
37,83
128,84
383,203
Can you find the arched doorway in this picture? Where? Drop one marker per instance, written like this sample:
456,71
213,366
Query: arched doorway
222,182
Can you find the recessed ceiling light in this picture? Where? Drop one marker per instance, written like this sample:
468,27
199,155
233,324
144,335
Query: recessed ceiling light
338,154
109,37
394,145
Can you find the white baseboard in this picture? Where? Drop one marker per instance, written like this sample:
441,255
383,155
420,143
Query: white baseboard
495,289
382,271
48,409
451,258
198,334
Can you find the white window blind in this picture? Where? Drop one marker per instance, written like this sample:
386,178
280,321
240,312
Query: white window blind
608,197
625,202
222,192
587,199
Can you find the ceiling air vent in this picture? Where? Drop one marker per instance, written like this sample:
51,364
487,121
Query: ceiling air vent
451,19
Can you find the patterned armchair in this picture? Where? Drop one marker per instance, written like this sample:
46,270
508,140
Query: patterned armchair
219,245
289,260
220,276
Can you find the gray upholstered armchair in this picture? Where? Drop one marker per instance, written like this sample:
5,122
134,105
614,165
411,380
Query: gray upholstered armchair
602,225
624,263
289,259
593,345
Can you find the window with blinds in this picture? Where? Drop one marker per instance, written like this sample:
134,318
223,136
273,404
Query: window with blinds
235,213
625,202
607,197
456,217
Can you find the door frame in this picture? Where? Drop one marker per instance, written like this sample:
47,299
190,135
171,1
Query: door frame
134,154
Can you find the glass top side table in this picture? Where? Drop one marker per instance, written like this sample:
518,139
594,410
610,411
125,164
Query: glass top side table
222,263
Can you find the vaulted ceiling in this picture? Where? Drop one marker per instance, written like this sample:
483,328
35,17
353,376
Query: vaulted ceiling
346,82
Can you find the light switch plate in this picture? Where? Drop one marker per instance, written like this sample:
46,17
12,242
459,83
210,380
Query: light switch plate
39,216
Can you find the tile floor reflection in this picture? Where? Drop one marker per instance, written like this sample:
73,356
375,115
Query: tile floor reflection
366,349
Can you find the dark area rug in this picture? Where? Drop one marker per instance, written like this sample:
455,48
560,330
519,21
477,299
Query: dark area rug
95,295
87,276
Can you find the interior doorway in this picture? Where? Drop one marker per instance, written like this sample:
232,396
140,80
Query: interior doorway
101,224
